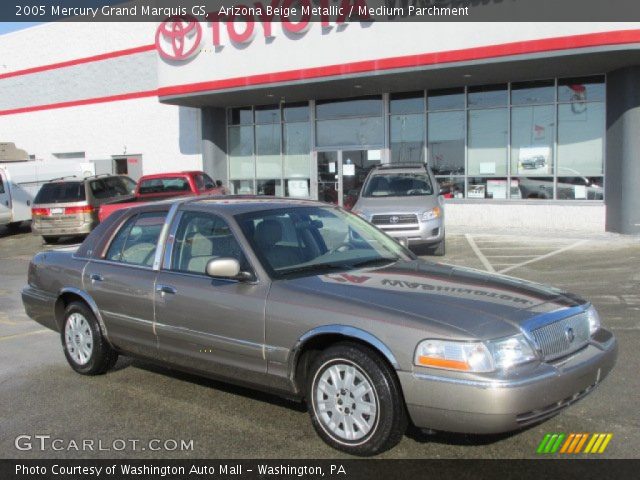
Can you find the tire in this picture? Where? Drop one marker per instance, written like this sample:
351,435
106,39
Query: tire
438,249
48,239
13,227
383,420
83,343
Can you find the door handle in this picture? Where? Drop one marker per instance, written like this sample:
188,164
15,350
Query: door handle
164,289
96,278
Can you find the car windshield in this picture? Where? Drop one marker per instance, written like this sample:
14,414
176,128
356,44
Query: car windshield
398,185
61,192
164,185
309,240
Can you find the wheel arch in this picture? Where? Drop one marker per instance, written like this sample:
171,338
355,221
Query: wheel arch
322,337
70,294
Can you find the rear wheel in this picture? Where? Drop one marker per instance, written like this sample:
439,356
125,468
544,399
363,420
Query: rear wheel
355,401
49,239
83,343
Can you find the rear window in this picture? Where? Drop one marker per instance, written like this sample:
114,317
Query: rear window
61,192
164,185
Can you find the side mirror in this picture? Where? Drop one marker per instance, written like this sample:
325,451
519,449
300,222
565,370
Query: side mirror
226,268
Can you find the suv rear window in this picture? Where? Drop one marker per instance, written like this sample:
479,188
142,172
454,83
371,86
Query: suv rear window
162,185
61,192
405,184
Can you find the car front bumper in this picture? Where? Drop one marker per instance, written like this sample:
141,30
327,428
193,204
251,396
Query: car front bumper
482,405
428,232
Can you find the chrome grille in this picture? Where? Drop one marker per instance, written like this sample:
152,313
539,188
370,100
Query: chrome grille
399,219
562,337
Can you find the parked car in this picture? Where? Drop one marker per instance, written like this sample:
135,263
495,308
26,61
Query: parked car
165,185
403,201
312,302
69,206
20,183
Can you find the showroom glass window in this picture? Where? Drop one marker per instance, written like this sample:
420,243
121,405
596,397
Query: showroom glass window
446,133
354,122
269,150
581,123
406,127
532,139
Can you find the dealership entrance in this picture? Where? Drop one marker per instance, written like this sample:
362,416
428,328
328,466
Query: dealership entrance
341,174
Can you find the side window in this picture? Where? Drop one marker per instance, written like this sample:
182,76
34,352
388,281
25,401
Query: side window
99,189
208,182
136,241
201,237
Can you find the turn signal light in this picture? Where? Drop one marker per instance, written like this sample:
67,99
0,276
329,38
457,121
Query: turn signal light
443,363
40,212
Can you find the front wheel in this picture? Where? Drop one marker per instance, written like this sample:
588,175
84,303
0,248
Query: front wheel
84,345
355,401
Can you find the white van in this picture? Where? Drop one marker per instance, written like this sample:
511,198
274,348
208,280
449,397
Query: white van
20,182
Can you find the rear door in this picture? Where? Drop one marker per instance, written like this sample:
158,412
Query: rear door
122,283
5,201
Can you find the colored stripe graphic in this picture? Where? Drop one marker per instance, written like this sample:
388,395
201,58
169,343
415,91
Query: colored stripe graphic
573,443
551,443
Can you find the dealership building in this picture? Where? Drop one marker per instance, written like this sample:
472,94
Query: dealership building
528,125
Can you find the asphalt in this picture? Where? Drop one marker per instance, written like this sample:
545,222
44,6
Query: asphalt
41,395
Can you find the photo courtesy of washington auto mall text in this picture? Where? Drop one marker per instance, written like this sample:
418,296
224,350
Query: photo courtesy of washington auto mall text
337,239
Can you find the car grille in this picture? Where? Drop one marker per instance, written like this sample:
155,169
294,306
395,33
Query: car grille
548,411
400,219
562,337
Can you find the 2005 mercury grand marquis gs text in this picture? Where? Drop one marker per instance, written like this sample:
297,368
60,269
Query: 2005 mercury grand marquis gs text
309,301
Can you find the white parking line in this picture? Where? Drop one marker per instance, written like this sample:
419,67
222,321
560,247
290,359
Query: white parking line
483,259
542,257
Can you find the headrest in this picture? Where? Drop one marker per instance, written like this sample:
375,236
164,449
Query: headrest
268,232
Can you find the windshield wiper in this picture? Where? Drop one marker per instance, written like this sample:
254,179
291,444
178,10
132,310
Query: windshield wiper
315,267
375,261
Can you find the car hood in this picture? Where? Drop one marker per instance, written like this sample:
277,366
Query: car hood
470,302
415,204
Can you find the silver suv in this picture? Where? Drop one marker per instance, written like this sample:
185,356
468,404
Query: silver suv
403,200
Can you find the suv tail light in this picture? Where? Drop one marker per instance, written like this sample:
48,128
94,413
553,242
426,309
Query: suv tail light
40,212
80,209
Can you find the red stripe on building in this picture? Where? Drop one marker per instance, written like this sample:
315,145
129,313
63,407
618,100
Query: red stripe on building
79,61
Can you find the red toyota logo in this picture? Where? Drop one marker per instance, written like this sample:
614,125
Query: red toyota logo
178,38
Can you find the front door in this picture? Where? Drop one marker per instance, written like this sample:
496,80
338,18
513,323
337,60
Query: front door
341,174
209,324
5,202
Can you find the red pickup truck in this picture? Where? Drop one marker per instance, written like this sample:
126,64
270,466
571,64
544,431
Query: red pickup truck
165,185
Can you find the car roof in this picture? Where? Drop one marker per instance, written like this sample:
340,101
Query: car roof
400,166
155,176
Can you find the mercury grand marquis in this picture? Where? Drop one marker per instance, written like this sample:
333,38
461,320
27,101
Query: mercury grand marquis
311,302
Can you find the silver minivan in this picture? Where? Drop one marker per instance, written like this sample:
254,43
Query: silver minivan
404,201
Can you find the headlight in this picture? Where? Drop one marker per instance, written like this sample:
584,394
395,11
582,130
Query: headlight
594,320
464,356
432,214
510,351
494,355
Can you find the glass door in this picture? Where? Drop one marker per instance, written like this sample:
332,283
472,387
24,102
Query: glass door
341,174
329,184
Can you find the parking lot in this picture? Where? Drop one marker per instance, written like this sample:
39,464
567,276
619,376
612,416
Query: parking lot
41,395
